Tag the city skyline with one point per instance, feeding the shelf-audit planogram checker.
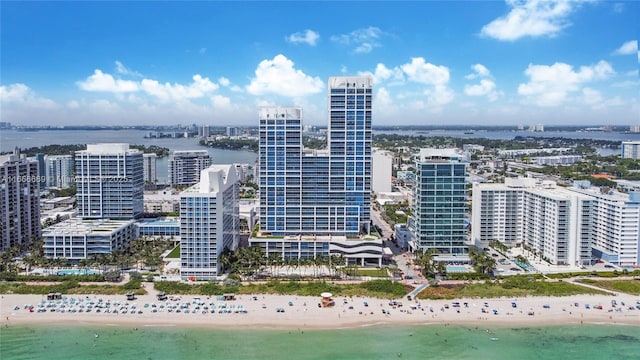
(433, 63)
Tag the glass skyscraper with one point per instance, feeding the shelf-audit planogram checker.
(440, 202)
(318, 192)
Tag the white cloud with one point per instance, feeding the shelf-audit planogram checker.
(550, 85)
(123, 70)
(628, 48)
(308, 37)
(224, 81)
(73, 104)
(220, 101)
(438, 96)
(425, 73)
(383, 73)
(178, 92)
(479, 70)
(364, 40)
(22, 95)
(531, 18)
(486, 87)
(278, 76)
(100, 81)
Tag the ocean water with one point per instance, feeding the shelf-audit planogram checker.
(378, 342)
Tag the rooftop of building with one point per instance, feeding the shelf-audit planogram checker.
(108, 148)
(78, 226)
(213, 179)
(161, 221)
(442, 155)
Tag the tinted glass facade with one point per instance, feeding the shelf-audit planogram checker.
(325, 192)
(440, 204)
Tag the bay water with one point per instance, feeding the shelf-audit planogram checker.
(374, 342)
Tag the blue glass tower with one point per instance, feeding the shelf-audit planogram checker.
(318, 192)
(440, 202)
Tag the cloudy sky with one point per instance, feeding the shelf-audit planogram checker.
(469, 63)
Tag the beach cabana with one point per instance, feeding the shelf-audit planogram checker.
(162, 296)
(131, 296)
(228, 297)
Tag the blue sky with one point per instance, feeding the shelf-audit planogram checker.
(434, 63)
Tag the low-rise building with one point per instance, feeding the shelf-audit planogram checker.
(77, 239)
(168, 228)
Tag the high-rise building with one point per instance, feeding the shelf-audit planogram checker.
(42, 175)
(631, 150)
(317, 199)
(185, 166)
(566, 226)
(59, 171)
(149, 172)
(19, 200)
(109, 181)
(209, 222)
(440, 203)
(322, 192)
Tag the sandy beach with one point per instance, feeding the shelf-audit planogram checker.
(260, 311)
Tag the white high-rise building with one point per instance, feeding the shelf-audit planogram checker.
(59, 171)
(382, 171)
(567, 226)
(109, 181)
(209, 222)
(185, 166)
(19, 200)
(631, 150)
(149, 168)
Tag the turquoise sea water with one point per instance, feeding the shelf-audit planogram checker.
(380, 342)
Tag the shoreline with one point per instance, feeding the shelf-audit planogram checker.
(302, 312)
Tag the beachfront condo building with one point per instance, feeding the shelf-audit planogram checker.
(19, 200)
(312, 201)
(631, 150)
(565, 226)
(185, 166)
(59, 171)
(109, 181)
(440, 204)
(209, 222)
(76, 239)
(149, 173)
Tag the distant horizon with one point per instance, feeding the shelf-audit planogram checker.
(432, 62)
(515, 127)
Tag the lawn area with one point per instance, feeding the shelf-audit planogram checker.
(625, 286)
(370, 272)
(175, 253)
(514, 286)
(376, 288)
(70, 287)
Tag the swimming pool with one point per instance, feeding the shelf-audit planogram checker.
(457, 268)
(77, 272)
